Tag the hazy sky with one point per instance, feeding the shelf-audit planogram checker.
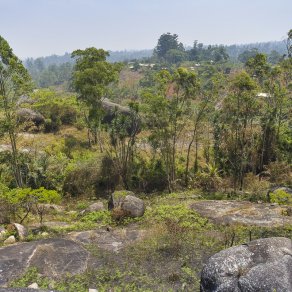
(43, 27)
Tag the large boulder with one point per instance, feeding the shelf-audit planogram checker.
(128, 203)
(28, 115)
(263, 265)
(111, 110)
(19, 229)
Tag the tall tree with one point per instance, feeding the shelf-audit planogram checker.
(167, 114)
(14, 82)
(92, 76)
(235, 129)
(289, 43)
(167, 42)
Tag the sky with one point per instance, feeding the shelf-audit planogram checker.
(37, 28)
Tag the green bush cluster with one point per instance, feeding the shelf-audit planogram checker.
(21, 201)
(280, 197)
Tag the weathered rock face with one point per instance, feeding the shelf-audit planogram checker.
(20, 230)
(111, 109)
(247, 213)
(285, 189)
(10, 240)
(127, 202)
(28, 115)
(55, 258)
(95, 207)
(52, 257)
(113, 240)
(263, 265)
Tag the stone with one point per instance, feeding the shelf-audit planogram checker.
(92, 290)
(52, 257)
(33, 286)
(21, 231)
(10, 240)
(260, 265)
(2, 234)
(95, 207)
(240, 212)
(128, 203)
(114, 240)
(28, 115)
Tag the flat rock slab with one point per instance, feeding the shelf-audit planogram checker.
(59, 256)
(52, 257)
(111, 240)
(246, 213)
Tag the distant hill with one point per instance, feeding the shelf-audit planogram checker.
(121, 56)
(115, 56)
(267, 47)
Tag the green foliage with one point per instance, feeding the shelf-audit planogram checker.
(92, 76)
(100, 217)
(20, 201)
(15, 81)
(180, 213)
(58, 109)
(31, 276)
(281, 197)
(168, 46)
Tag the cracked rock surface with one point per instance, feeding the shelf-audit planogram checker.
(246, 213)
(56, 257)
(263, 265)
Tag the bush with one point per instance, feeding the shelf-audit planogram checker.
(56, 108)
(20, 202)
(149, 176)
(280, 197)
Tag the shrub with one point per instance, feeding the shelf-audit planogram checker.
(149, 176)
(20, 202)
(56, 108)
(280, 197)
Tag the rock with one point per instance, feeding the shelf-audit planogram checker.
(28, 115)
(261, 265)
(114, 240)
(10, 240)
(111, 109)
(285, 189)
(92, 290)
(2, 233)
(52, 257)
(247, 213)
(95, 207)
(128, 203)
(21, 231)
(33, 286)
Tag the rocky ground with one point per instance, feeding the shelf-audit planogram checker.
(247, 213)
(164, 249)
